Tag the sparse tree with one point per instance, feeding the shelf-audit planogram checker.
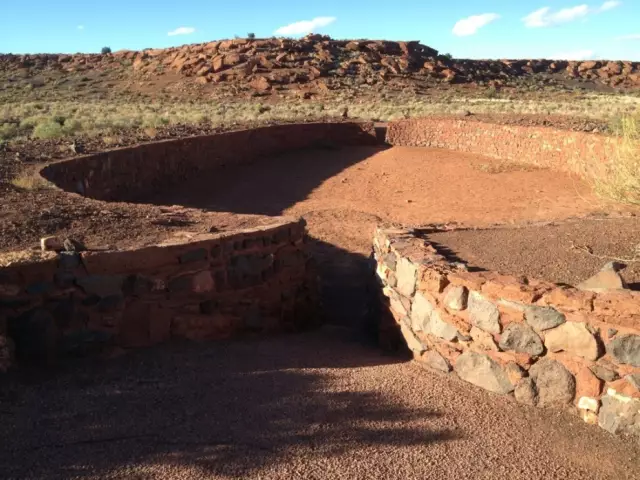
(105, 50)
(251, 36)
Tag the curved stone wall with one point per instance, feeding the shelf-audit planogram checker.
(546, 147)
(201, 287)
(543, 344)
(131, 173)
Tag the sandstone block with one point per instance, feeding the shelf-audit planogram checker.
(436, 361)
(406, 273)
(606, 279)
(574, 338)
(483, 340)
(456, 297)
(483, 314)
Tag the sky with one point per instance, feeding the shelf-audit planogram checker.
(601, 29)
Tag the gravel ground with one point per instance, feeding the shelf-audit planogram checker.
(313, 406)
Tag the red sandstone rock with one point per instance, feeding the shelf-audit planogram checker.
(587, 384)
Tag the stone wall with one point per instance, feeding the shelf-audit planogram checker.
(543, 344)
(132, 173)
(546, 147)
(210, 286)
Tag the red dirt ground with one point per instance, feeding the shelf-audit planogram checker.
(343, 194)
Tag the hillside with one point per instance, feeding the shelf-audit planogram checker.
(315, 65)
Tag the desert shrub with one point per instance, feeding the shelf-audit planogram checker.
(619, 178)
(48, 129)
(30, 181)
(251, 36)
(71, 125)
(105, 50)
(8, 130)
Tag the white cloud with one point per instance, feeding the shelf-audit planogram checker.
(633, 36)
(610, 5)
(471, 25)
(80, 27)
(181, 31)
(575, 55)
(545, 17)
(305, 26)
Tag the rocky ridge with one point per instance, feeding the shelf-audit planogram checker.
(317, 62)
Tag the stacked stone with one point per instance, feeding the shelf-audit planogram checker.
(207, 287)
(545, 345)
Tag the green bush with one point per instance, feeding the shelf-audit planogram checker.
(105, 50)
(251, 36)
(8, 130)
(48, 129)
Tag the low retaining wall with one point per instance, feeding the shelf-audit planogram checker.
(546, 147)
(209, 287)
(545, 345)
(132, 173)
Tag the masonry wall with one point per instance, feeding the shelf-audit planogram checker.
(208, 287)
(542, 344)
(546, 147)
(132, 173)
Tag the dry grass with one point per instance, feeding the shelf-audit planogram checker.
(30, 181)
(506, 166)
(619, 178)
(50, 119)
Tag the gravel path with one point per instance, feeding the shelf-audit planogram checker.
(312, 406)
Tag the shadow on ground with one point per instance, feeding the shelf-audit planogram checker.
(264, 188)
(226, 409)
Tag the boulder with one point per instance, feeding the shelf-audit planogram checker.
(543, 318)
(482, 371)
(522, 339)
(436, 361)
(555, 385)
(483, 340)
(406, 273)
(456, 297)
(625, 349)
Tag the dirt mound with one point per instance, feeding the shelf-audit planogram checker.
(316, 63)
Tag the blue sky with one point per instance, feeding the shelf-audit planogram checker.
(465, 28)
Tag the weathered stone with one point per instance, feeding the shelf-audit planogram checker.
(522, 339)
(406, 273)
(556, 386)
(625, 349)
(483, 314)
(440, 328)
(48, 244)
(436, 361)
(620, 415)
(543, 318)
(202, 282)
(421, 311)
(101, 285)
(604, 373)
(526, 392)
(397, 306)
(589, 403)
(390, 260)
(515, 372)
(587, 384)
(456, 297)
(606, 279)
(612, 332)
(483, 339)
(574, 338)
(414, 344)
(482, 371)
